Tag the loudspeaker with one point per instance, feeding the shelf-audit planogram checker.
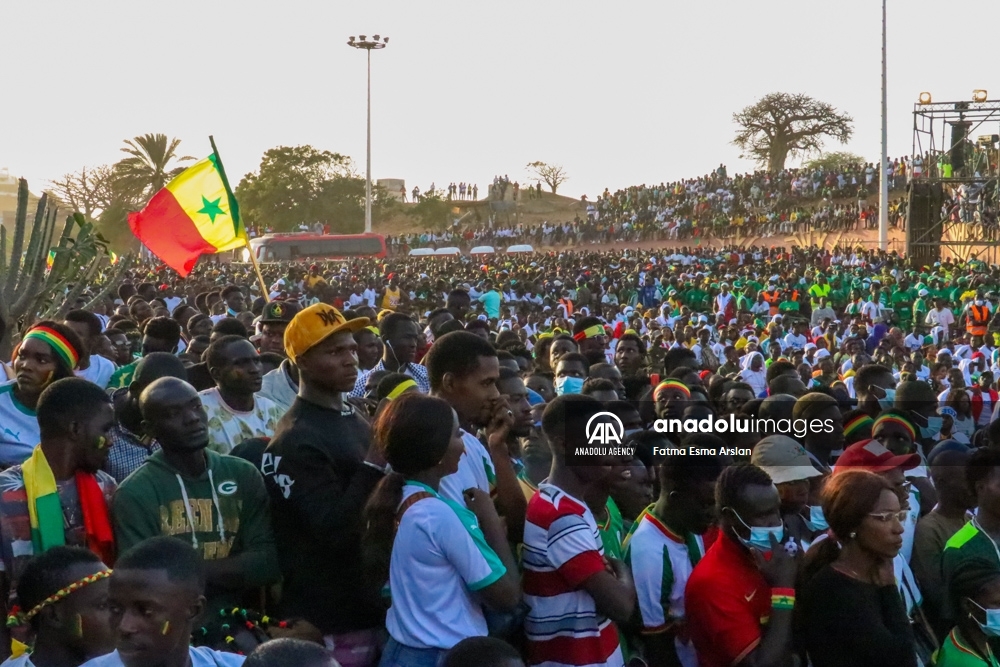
(959, 136)
(923, 228)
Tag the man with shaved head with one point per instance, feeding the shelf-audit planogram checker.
(216, 502)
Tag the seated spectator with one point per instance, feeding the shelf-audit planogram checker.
(235, 410)
(157, 593)
(231, 530)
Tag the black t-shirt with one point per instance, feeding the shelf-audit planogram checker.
(318, 484)
(847, 623)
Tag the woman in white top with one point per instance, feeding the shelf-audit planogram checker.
(442, 560)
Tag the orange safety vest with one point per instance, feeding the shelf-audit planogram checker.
(773, 300)
(979, 317)
(568, 305)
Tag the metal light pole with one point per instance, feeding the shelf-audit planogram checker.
(883, 182)
(376, 42)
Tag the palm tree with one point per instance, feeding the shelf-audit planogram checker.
(149, 165)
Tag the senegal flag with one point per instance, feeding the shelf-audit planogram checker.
(195, 214)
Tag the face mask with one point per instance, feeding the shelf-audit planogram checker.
(760, 536)
(886, 402)
(992, 626)
(817, 520)
(979, 302)
(933, 427)
(568, 385)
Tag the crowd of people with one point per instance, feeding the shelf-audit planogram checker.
(374, 464)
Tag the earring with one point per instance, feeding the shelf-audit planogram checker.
(853, 535)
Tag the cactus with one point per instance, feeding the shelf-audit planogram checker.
(29, 290)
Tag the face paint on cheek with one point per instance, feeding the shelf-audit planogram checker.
(166, 628)
(48, 378)
(78, 626)
(102, 442)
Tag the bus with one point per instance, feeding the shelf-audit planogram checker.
(305, 245)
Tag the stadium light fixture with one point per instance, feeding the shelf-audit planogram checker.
(925, 98)
(979, 95)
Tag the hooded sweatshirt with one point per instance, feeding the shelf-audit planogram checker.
(227, 504)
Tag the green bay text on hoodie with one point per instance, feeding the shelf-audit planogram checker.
(151, 502)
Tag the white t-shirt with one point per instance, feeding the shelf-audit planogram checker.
(99, 372)
(436, 565)
(475, 471)
(200, 657)
(661, 566)
(18, 428)
(228, 427)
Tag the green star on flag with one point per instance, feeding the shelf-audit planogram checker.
(211, 208)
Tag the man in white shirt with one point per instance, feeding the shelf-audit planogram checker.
(92, 367)
(796, 339)
(940, 316)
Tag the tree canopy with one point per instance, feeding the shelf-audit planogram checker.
(302, 184)
(780, 125)
(552, 174)
(835, 161)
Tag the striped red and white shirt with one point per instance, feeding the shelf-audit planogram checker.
(562, 549)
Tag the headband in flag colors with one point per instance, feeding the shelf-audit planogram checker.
(590, 332)
(671, 384)
(545, 334)
(374, 330)
(893, 419)
(858, 423)
(400, 388)
(55, 340)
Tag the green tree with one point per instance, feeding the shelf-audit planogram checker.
(152, 163)
(780, 125)
(835, 161)
(302, 184)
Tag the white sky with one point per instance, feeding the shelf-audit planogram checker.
(619, 93)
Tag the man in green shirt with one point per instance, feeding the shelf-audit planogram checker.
(788, 303)
(902, 303)
(978, 539)
(161, 334)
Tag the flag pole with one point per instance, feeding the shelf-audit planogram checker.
(234, 208)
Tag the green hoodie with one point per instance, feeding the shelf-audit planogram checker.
(150, 502)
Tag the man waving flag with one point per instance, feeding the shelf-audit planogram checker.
(195, 214)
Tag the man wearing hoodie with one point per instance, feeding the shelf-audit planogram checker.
(216, 502)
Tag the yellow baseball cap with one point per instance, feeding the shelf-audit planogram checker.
(314, 325)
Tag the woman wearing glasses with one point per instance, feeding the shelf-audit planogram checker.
(851, 611)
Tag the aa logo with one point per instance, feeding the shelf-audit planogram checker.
(605, 431)
(227, 488)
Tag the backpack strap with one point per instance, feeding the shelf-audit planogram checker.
(410, 502)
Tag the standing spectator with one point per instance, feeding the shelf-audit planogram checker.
(48, 352)
(232, 530)
(235, 411)
(736, 585)
(92, 366)
(576, 595)
(156, 597)
(399, 336)
(319, 470)
(440, 549)
(851, 609)
(160, 334)
(64, 594)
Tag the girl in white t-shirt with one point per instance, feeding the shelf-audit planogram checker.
(441, 560)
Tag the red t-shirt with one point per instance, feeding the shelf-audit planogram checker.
(727, 602)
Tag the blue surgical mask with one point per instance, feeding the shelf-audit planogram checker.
(568, 385)
(934, 425)
(992, 626)
(760, 536)
(817, 520)
(886, 403)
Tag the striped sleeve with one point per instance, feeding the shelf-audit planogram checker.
(653, 574)
(572, 550)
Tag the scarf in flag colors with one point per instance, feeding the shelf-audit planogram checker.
(195, 214)
(46, 514)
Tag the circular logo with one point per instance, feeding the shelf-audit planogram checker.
(604, 432)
